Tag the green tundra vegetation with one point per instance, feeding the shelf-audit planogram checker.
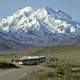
(55, 71)
(71, 53)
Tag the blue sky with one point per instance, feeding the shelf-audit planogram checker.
(71, 7)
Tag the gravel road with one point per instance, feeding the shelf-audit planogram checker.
(16, 74)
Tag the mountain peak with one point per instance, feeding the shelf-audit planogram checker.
(43, 26)
(27, 19)
(26, 9)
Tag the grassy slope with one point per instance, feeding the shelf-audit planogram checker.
(62, 52)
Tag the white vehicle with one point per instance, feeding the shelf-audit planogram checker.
(31, 60)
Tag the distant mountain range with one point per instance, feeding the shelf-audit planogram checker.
(38, 27)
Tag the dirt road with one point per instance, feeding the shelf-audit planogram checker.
(16, 74)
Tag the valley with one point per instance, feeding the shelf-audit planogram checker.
(65, 54)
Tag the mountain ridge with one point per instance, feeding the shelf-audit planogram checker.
(39, 27)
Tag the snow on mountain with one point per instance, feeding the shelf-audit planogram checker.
(28, 19)
(30, 25)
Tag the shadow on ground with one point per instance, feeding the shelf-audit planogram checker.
(7, 65)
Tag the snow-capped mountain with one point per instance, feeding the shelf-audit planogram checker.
(43, 26)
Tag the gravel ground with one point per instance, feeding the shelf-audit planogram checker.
(16, 74)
